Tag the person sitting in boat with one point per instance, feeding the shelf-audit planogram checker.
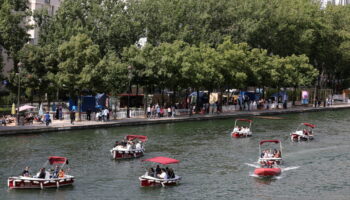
(150, 172)
(116, 143)
(267, 154)
(277, 154)
(123, 143)
(25, 172)
(42, 173)
(270, 154)
(235, 129)
(129, 145)
(163, 174)
(61, 173)
(262, 155)
(305, 132)
(170, 172)
(158, 170)
(274, 152)
(138, 145)
(55, 172)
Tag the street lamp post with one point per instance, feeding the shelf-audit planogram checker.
(129, 91)
(19, 65)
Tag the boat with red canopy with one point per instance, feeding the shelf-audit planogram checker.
(131, 147)
(304, 132)
(53, 178)
(269, 160)
(240, 130)
(166, 177)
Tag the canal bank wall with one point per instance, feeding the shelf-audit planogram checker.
(66, 126)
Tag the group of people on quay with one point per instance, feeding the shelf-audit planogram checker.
(156, 111)
(7, 119)
(161, 173)
(101, 115)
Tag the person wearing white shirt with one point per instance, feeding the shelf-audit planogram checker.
(138, 145)
(129, 146)
(163, 175)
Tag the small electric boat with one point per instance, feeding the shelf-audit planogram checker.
(269, 160)
(133, 147)
(267, 172)
(151, 178)
(51, 179)
(242, 131)
(304, 132)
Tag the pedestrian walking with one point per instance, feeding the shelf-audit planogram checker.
(57, 113)
(72, 116)
(60, 113)
(169, 111)
(88, 114)
(158, 112)
(47, 118)
(105, 113)
(148, 111)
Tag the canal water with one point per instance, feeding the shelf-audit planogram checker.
(213, 165)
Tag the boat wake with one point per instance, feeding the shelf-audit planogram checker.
(289, 168)
(252, 165)
(265, 178)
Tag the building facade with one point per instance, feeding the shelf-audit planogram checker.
(51, 6)
(335, 2)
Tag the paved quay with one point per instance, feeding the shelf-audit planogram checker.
(65, 125)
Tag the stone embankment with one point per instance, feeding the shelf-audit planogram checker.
(65, 125)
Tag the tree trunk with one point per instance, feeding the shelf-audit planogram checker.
(162, 97)
(79, 107)
(174, 97)
(48, 103)
(208, 109)
(294, 95)
(197, 102)
(145, 102)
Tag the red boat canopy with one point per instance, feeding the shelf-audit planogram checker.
(264, 141)
(309, 125)
(245, 120)
(140, 137)
(57, 160)
(162, 160)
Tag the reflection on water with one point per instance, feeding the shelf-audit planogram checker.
(213, 165)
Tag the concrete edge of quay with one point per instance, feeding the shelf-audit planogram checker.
(140, 122)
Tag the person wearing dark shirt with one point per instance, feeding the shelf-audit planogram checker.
(158, 170)
(72, 116)
(151, 172)
(42, 173)
(55, 172)
(26, 172)
(88, 114)
(123, 143)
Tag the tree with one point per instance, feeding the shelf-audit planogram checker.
(300, 72)
(233, 63)
(13, 35)
(78, 59)
(38, 70)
